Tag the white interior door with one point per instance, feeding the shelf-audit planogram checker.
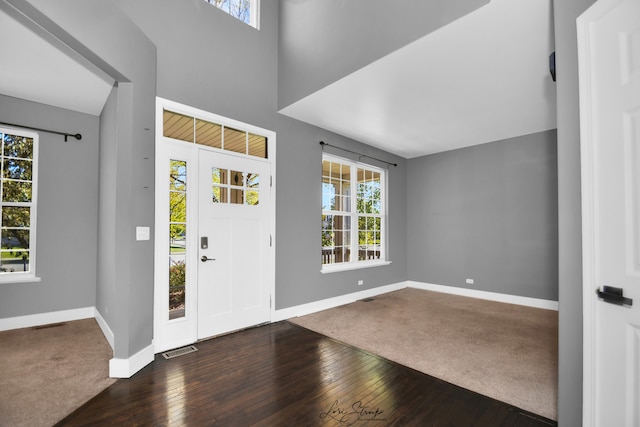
(234, 242)
(609, 50)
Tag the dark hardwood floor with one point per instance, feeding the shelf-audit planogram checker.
(284, 375)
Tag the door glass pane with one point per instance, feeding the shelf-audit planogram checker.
(219, 179)
(237, 178)
(253, 180)
(253, 197)
(219, 176)
(235, 140)
(237, 196)
(177, 126)
(177, 287)
(209, 134)
(178, 175)
(177, 237)
(253, 184)
(220, 195)
(177, 206)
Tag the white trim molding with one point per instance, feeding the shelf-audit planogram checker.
(313, 307)
(106, 330)
(492, 296)
(40, 319)
(126, 368)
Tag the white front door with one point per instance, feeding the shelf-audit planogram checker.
(214, 261)
(609, 51)
(234, 241)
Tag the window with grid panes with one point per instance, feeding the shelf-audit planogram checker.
(353, 214)
(18, 188)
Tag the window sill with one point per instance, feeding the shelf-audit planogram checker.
(334, 268)
(26, 278)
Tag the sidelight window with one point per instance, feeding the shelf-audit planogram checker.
(177, 237)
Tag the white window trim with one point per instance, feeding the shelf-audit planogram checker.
(255, 14)
(20, 276)
(352, 265)
(356, 264)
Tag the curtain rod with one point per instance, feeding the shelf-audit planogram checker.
(65, 134)
(359, 154)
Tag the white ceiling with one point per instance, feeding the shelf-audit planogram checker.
(482, 78)
(36, 68)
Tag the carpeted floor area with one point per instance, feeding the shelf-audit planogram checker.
(504, 351)
(48, 372)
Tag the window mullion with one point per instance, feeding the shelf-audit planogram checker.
(354, 213)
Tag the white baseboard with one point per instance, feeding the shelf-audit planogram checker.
(104, 327)
(492, 296)
(125, 368)
(313, 307)
(40, 319)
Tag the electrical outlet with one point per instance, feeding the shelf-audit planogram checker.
(360, 282)
(469, 281)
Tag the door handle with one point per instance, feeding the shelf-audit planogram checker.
(205, 259)
(613, 295)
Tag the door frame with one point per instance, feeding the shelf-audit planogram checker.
(161, 221)
(588, 123)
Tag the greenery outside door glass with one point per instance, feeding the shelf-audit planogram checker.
(177, 238)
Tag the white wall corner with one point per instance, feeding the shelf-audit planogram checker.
(104, 327)
(313, 307)
(491, 296)
(40, 319)
(126, 368)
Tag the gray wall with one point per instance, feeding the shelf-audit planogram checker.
(569, 213)
(489, 213)
(67, 211)
(323, 41)
(238, 79)
(245, 88)
(105, 36)
(106, 293)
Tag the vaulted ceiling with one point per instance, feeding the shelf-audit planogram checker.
(482, 78)
(37, 67)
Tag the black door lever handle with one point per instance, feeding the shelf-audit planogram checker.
(613, 295)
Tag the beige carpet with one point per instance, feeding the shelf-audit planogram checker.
(508, 352)
(47, 373)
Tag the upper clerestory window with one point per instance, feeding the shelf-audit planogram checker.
(243, 10)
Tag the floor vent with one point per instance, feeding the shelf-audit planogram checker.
(50, 325)
(367, 299)
(179, 352)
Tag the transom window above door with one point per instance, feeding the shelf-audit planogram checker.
(199, 131)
